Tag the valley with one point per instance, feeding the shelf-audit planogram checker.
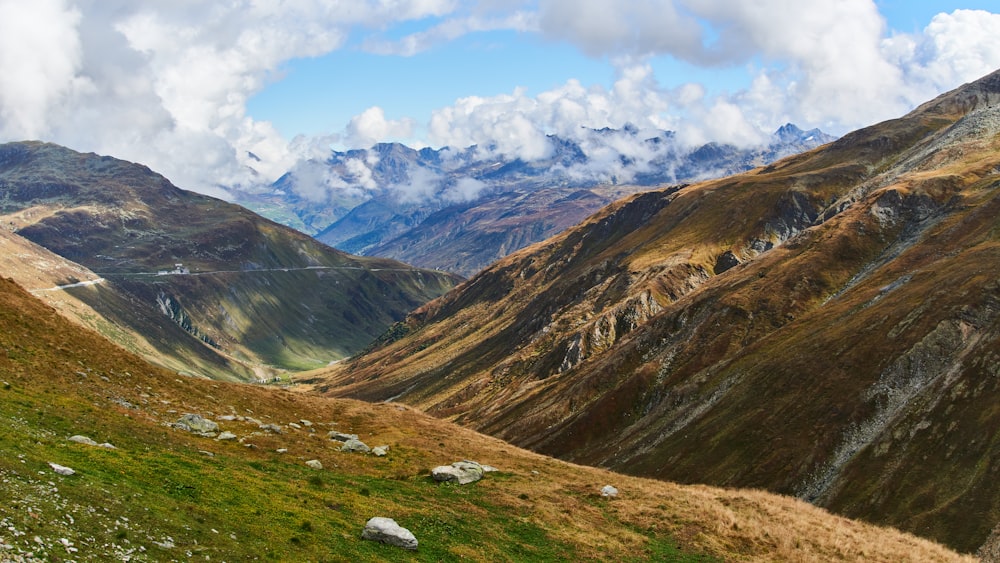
(824, 326)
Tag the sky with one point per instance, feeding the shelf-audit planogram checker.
(225, 95)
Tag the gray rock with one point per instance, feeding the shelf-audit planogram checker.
(61, 469)
(82, 440)
(225, 436)
(272, 428)
(380, 451)
(461, 472)
(355, 445)
(387, 531)
(295, 425)
(305, 422)
(608, 491)
(315, 464)
(197, 424)
(340, 436)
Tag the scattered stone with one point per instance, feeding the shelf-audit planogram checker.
(227, 417)
(206, 452)
(355, 445)
(461, 472)
(295, 426)
(608, 491)
(340, 436)
(197, 424)
(380, 451)
(226, 436)
(305, 423)
(61, 469)
(387, 531)
(272, 428)
(282, 450)
(489, 469)
(82, 440)
(315, 464)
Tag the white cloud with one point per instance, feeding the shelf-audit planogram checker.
(465, 189)
(371, 126)
(422, 185)
(166, 83)
(39, 63)
(452, 29)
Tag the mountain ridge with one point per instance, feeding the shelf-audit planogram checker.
(442, 208)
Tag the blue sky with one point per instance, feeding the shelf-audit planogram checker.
(193, 88)
(317, 95)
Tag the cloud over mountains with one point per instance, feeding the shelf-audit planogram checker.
(167, 84)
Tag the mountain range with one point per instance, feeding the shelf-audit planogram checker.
(191, 282)
(825, 326)
(461, 210)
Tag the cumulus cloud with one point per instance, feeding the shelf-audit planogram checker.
(465, 189)
(422, 185)
(371, 126)
(166, 83)
(39, 63)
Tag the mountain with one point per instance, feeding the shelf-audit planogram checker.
(197, 284)
(826, 326)
(154, 492)
(461, 210)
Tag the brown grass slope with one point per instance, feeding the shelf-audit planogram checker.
(164, 494)
(261, 298)
(825, 326)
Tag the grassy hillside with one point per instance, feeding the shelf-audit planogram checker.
(165, 494)
(253, 293)
(825, 326)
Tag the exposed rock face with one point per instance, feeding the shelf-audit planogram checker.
(387, 531)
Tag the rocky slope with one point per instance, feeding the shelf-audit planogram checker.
(460, 211)
(208, 287)
(271, 485)
(825, 326)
